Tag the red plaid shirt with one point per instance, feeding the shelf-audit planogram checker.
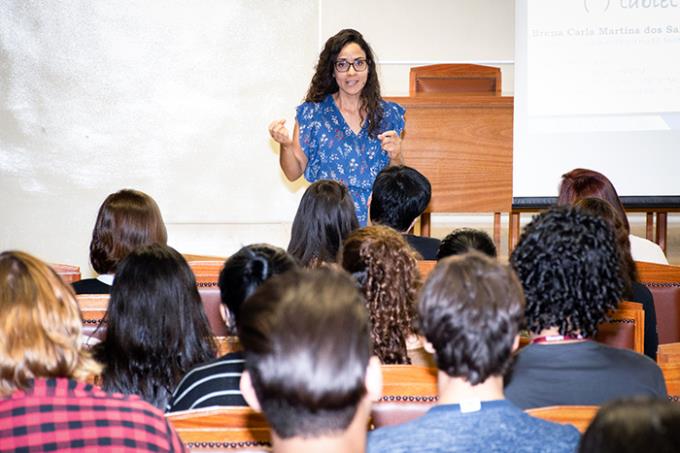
(62, 414)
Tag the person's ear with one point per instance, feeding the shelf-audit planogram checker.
(427, 346)
(515, 344)
(248, 392)
(374, 379)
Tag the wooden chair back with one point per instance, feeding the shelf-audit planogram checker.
(92, 311)
(454, 78)
(223, 428)
(626, 328)
(664, 283)
(67, 272)
(579, 416)
(408, 392)
(668, 359)
(207, 273)
(425, 267)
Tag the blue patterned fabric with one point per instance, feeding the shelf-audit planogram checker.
(335, 152)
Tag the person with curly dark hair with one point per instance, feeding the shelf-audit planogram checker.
(633, 290)
(385, 268)
(344, 130)
(583, 183)
(569, 266)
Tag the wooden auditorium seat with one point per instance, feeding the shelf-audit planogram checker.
(92, 311)
(579, 416)
(67, 272)
(222, 428)
(207, 273)
(626, 328)
(425, 267)
(408, 392)
(668, 359)
(664, 283)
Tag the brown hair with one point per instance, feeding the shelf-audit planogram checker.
(40, 325)
(127, 219)
(386, 270)
(471, 308)
(582, 183)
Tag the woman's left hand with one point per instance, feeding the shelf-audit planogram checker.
(390, 141)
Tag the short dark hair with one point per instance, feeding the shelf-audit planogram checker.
(306, 339)
(471, 308)
(633, 425)
(386, 271)
(126, 220)
(156, 329)
(569, 266)
(247, 269)
(323, 220)
(464, 240)
(583, 183)
(400, 195)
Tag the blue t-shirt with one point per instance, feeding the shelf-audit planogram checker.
(335, 152)
(497, 427)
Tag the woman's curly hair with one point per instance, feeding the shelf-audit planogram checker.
(323, 82)
(386, 271)
(570, 269)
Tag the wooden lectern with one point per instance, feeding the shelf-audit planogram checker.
(460, 139)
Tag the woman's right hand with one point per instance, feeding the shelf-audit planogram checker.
(278, 131)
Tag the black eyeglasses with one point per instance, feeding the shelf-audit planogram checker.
(359, 65)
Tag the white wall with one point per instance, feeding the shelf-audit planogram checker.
(174, 97)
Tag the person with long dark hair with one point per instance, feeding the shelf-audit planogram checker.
(127, 219)
(325, 217)
(216, 383)
(156, 329)
(45, 403)
(344, 130)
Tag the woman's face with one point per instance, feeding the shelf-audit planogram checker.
(352, 81)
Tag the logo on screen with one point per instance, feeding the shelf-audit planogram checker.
(596, 6)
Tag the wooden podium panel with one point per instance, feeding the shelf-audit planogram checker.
(463, 144)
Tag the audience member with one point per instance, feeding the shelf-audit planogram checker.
(306, 339)
(386, 271)
(400, 195)
(323, 220)
(216, 383)
(634, 425)
(569, 266)
(581, 183)
(470, 312)
(633, 290)
(156, 329)
(45, 404)
(127, 219)
(464, 240)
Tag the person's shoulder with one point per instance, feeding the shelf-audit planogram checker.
(309, 109)
(397, 438)
(550, 433)
(392, 108)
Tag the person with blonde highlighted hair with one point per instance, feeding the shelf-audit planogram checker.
(44, 402)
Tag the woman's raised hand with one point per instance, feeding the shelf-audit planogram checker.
(390, 141)
(278, 131)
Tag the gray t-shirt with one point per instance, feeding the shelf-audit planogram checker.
(587, 373)
(497, 427)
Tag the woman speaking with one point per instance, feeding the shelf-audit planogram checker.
(344, 130)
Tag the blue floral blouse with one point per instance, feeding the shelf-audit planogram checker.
(335, 152)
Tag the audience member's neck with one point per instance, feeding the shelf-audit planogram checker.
(453, 390)
(554, 334)
(353, 439)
